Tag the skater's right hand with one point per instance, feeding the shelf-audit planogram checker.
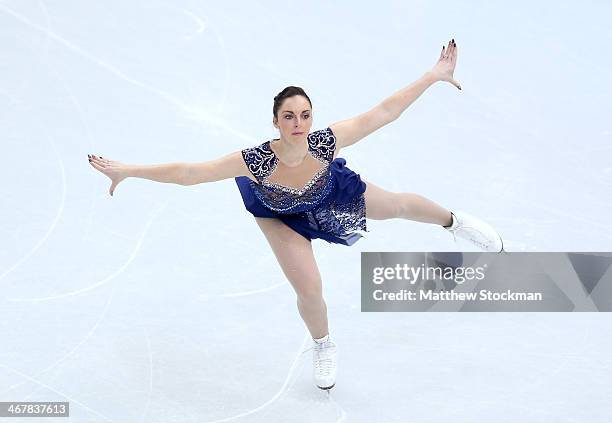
(115, 170)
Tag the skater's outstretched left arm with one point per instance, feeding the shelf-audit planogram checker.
(350, 131)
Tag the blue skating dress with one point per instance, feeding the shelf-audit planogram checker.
(330, 206)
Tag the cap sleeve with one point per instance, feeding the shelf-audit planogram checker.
(323, 144)
(259, 160)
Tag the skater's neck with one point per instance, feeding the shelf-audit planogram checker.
(290, 153)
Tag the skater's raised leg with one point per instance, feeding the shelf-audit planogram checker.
(382, 205)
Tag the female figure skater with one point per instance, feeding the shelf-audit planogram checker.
(298, 189)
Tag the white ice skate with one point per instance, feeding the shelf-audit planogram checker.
(324, 363)
(476, 231)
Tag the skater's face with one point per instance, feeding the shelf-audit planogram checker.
(294, 118)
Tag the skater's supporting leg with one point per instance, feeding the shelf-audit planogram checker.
(296, 258)
(382, 205)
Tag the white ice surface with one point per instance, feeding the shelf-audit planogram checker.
(164, 303)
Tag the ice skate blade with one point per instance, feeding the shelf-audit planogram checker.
(326, 389)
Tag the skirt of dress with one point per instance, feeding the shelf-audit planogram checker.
(339, 218)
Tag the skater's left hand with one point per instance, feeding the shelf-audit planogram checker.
(443, 70)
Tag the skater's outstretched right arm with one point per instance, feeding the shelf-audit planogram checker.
(225, 167)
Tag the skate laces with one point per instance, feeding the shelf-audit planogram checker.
(460, 226)
(323, 358)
